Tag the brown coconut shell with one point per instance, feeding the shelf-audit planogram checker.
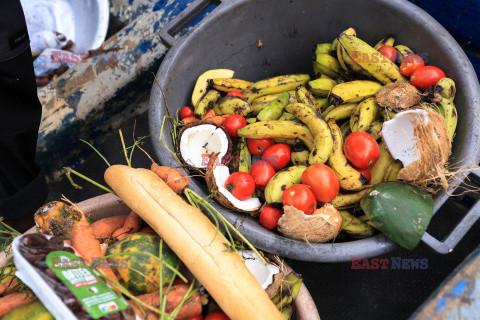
(217, 195)
(297, 225)
(398, 96)
(434, 146)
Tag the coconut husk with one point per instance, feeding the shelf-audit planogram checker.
(297, 225)
(398, 96)
(274, 287)
(433, 146)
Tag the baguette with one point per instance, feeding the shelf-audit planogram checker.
(189, 233)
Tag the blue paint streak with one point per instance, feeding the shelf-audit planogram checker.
(461, 288)
(74, 98)
(441, 305)
(144, 46)
(128, 30)
(61, 83)
(155, 26)
(158, 5)
(130, 2)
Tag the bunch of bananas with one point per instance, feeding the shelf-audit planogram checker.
(316, 115)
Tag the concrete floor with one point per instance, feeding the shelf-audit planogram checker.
(340, 292)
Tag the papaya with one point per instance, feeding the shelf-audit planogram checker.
(401, 211)
(57, 218)
(32, 311)
(140, 273)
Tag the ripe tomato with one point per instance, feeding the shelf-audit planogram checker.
(261, 172)
(367, 173)
(236, 94)
(323, 182)
(233, 123)
(241, 185)
(389, 52)
(269, 217)
(426, 76)
(410, 64)
(199, 317)
(186, 112)
(301, 197)
(361, 150)
(278, 155)
(258, 146)
(217, 315)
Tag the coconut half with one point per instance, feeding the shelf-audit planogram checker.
(268, 275)
(419, 138)
(197, 142)
(321, 226)
(216, 176)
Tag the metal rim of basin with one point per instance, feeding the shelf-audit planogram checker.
(275, 243)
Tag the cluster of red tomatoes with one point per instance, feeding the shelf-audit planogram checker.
(413, 66)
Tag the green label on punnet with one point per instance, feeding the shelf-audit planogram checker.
(94, 294)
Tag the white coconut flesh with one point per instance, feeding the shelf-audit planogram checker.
(198, 142)
(221, 174)
(399, 137)
(262, 272)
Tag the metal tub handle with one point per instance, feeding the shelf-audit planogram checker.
(174, 26)
(450, 242)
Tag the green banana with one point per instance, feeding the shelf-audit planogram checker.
(355, 228)
(277, 129)
(260, 103)
(371, 60)
(341, 112)
(403, 52)
(350, 178)
(274, 85)
(353, 91)
(290, 142)
(300, 153)
(364, 115)
(449, 112)
(322, 136)
(323, 48)
(274, 109)
(349, 199)
(229, 84)
(374, 129)
(206, 103)
(245, 158)
(251, 120)
(446, 88)
(287, 313)
(392, 171)
(345, 129)
(326, 64)
(387, 41)
(234, 105)
(321, 87)
(281, 181)
(334, 45)
(321, 103)
(380, 167)
(289, 290)
(304, 96)
(287, 116)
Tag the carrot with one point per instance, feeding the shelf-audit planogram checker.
(210, 114)
(10, 286)
(132, 224)
(15, 300)
(219, 120)
(173, 177)
(84, 241)
(104, 228)
(190, 120)
(191, 308)
(148, 230)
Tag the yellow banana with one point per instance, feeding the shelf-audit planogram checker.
(355, 228)
(446, 88)
(350, 178)
(348, 64)
(374, 129)
(392, 171)
(379, 169)
(326, 64)
(343, 200)
(260, 103)
(364, 115)
(304, 96)
(387, 41)
(206, 103)
(321, 103)
(281, 181)
(353, 91)
(323, 48)
(229, 84)
(380, 67)
(274, 85)
(322, 136)
(341, 112)
(449, 112)
(403, 52)
(245, 158)
(345, 129)
(334, 45)
(327, 111)
(277, 129)
(321, 87)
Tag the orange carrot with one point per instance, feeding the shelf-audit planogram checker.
(104, 228)
(190, 120)
(210, 114)
(191, 308)
(132, 225)
(219, 120)
(10, 286)
(15, 300)
(84, 241)
(148, 230)
(173, 177)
